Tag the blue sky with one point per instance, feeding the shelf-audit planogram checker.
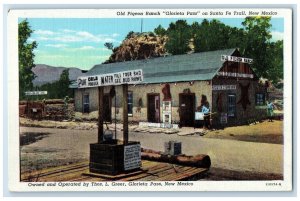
(79, 42)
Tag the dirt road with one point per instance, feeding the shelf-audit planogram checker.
(44, 147)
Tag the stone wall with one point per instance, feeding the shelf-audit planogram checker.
(251, 113)
(140, 92)
(243, 116)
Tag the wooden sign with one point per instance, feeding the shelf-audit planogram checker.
(35, 93)
(236, 59)
(132, 156)
(240, 75)
(223, 87)
(118, 78)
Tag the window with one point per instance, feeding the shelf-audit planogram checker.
(86, 103)
(231, 105)
(260, 99)
(130, 103)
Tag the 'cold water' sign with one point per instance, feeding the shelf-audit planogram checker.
(125, 77)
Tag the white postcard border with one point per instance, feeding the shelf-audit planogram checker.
(13, 117)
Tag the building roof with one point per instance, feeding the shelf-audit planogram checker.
(177, 68)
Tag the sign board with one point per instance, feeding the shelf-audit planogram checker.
(167, 114)
(199, 116)
(236, 59)
(35, 93)
(223, 87)
(132, 156)
(223, 118)
(241, 75)
(118, 78)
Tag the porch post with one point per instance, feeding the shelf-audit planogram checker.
(100, 115)
(125, 113)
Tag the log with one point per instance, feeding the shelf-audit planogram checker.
(48, 101)
(200, 160)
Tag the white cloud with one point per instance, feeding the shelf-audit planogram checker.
(98, 57)
(44, 32)
(52, 56)
(109, 40)
(87, 48)
(30, 40)
(85, 34)
(68, 31)
(69, 36)
(84, 48)
(276, 35)
(56, 45)
(42, 38)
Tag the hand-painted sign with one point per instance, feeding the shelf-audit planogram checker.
(199, 116)
(236, 59)
(240, 75)
(118, 78)
(35, 93)
(223, 87)
(132, 156)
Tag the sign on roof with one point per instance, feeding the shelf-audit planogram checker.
(125, 77)
(236, 59)
(35, 93)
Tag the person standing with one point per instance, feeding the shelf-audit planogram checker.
(205, 111)
(270, 110)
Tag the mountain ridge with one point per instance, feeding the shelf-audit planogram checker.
(49, 74)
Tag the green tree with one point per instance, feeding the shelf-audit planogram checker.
(63, 85)
(215, 35)
(109, 46)
(26, 58)
(275, 58)
(236, 37)
(160, 31)
(179, 35)
(131, 34)
(60, 88)
(256, 43)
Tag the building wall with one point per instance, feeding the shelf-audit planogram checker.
(140, 92)
(78, 97)
(248, 115)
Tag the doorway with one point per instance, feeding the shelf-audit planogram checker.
(153, 108)
(86, 103)
(107, 108)
(187, 109)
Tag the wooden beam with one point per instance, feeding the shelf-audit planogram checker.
(100, 115)
(125, 113)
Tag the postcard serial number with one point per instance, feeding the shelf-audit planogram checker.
(273, 184)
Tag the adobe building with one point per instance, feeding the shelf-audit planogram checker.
(175, 87)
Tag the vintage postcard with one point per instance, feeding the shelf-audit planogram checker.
(150, 99)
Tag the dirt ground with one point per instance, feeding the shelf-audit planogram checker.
(235, 153)
(264, 132)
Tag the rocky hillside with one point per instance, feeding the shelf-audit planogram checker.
(139, 46)
(49, 74)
